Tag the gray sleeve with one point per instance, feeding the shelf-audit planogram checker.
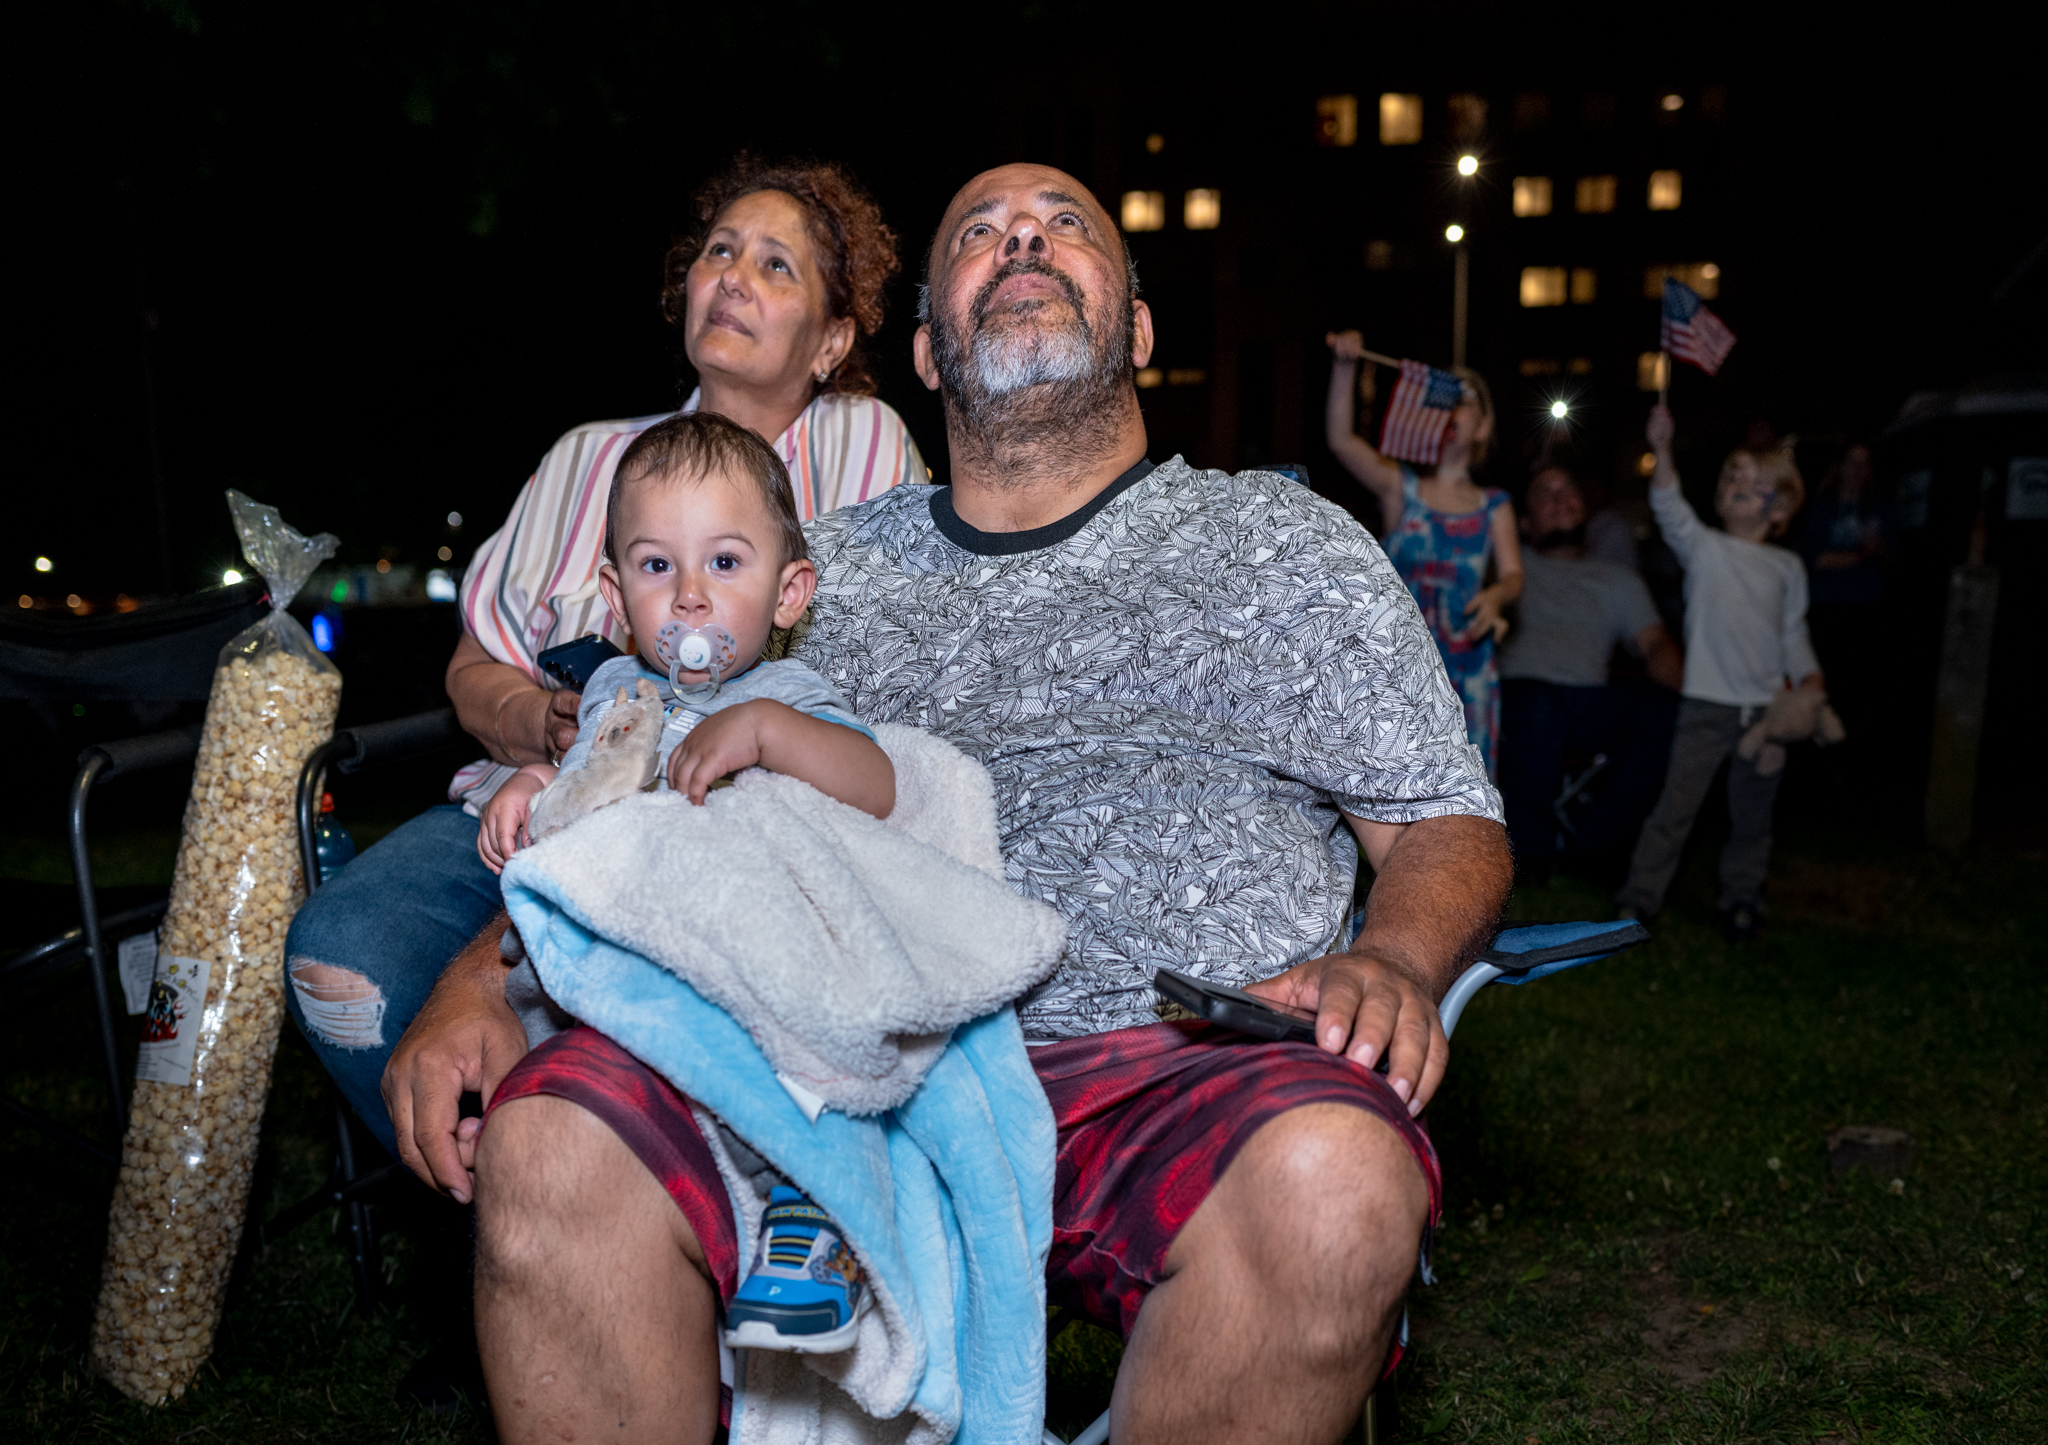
(793, 683)
(1629, 605)
(1379, 728)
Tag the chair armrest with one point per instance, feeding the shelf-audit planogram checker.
(401, 738)
(1473, 979)
(151, 750)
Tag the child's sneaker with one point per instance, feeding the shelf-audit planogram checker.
(805, 1292)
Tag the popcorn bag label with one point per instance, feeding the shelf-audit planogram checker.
(170, 1032)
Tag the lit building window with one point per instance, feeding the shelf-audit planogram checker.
(1144, 210)
(1543, 285)
(1703, 276)
(1584, 285)
(1189, 376)
(1580, 365)
(1540, 366)
(1595, 195)
(1672, 102)
(1650, 371)
(1379, 255)
(1468, 117)
(1337, 120)
(1154, 143)
(1532, 195)
(1150, 377)
(1666, 189)
(1202, 210)
(1400, 119)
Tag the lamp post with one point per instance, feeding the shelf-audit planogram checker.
(1468, 167)
(1456, 235)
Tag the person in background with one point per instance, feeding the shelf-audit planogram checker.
(1845, 544)
(774, 292)
(1745, 637)
(1610, 534)
(1557, 698)
(1442, 531)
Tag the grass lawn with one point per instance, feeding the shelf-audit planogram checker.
(1642, 1241)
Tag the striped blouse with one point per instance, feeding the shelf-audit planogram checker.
(533, 583)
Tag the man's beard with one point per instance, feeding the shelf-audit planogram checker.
(1020, 385)
(1561, 537)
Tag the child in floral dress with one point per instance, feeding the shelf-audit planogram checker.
(1441, 532)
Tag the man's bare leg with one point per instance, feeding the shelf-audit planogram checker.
(595, 1313)
(1282, 1291)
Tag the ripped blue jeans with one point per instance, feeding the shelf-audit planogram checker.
(364, 952)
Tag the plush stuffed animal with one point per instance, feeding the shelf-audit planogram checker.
(1798, 714)
(621, 763)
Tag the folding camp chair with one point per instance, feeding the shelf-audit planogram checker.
(160, 653)
(1517, 956)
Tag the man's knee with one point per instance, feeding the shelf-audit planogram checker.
(1331, 1202)
(552, 1181)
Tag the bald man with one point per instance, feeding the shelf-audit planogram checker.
(1193, 692)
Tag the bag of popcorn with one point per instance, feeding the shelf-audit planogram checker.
(218, 995)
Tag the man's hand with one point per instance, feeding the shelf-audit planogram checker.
(722, 744)
(465, 1039)
(1366, 1006)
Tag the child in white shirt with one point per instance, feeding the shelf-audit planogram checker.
(1745, 638)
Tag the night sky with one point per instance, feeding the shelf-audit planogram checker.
(380, 255)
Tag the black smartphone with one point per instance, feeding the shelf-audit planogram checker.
(1235, 1009)
(572, 663)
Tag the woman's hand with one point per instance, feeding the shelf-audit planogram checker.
(1484, 610)
(505, 816)
(516, 719)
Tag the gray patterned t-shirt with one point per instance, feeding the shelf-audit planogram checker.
(1175, 700)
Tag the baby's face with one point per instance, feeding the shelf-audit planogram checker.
(702, 550)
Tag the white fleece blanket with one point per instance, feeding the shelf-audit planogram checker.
(858, 956)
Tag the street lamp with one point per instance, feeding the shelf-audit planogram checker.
(1455, 234)
(1558, 410)
(1468, 165)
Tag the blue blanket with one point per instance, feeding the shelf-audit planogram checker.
(946, 1199)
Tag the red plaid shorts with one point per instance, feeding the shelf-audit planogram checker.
(1149, 1118)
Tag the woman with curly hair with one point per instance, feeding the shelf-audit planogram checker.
(775, 291)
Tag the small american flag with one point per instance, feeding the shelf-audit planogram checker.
(1691, 332)
(1419, 414)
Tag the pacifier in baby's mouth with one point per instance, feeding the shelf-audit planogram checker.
(695, 649)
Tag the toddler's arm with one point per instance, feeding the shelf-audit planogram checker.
(506, 814)
(835, 760)
(1676, 519)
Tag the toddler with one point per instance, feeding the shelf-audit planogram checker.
(704, 558)
(1745, 638)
